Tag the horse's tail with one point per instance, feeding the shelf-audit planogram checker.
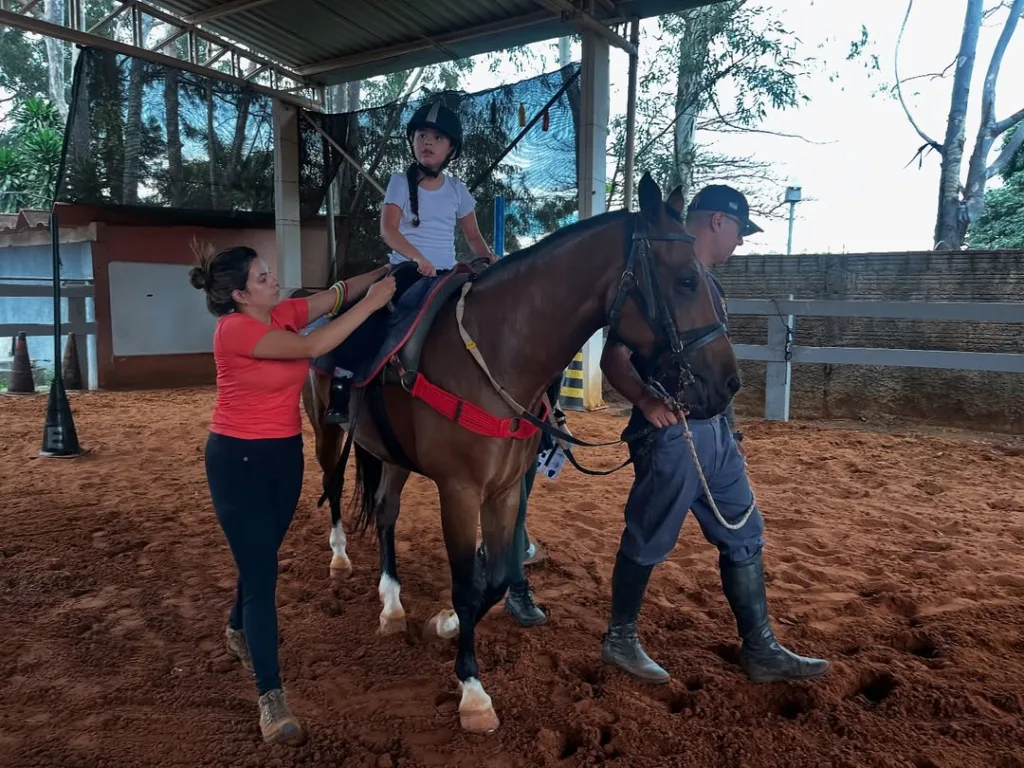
(369, 471)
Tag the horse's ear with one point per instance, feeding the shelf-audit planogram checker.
(675, 200)
(650, 197)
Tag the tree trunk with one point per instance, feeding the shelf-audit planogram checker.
(951, 223)
(347, 182)
(234, 160)
(133, 132)
(111, 96)
(211, 145)
(175, 170)
(693, 53)
(572, 94)
(54, 13)
(979, 171)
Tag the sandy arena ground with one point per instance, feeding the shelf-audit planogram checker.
(900, 556)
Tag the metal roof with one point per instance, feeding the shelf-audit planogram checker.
(337, 41)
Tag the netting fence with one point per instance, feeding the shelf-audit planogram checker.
(149, 136)
(520, 143)
(141, 134)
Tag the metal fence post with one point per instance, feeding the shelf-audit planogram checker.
(499, 225)
(778, 375)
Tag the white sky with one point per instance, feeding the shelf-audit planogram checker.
(864, 198)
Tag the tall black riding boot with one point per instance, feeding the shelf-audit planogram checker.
(519, 604)
(762, 657)
(621, 646)
(337, 408)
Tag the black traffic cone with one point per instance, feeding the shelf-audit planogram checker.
(21, 370)
(60, 440)
(71, 367)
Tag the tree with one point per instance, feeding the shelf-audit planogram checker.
(30, 156)
(1001, 225)
(731, 53)
(961, 203)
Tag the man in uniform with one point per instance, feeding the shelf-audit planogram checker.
(667, 485)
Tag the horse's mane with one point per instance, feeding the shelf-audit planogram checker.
(575, 229)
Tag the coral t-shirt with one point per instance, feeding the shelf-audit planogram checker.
(257, 398)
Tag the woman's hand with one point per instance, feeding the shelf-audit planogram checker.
(380, 293)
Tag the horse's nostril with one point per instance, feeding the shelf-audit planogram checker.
(733, 384)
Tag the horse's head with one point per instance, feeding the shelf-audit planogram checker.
(663, 308)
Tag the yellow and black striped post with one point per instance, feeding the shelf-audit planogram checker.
(571, 398)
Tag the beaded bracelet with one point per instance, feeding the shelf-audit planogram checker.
(341, 288)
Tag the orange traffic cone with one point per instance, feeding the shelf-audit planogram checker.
(21, 371)
(72, 368)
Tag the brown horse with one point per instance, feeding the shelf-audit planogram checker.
(527, 316)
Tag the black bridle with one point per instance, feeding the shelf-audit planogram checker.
(654, 308)
(650, 300)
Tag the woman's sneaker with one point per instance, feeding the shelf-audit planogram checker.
(238, 649)
(277, 723)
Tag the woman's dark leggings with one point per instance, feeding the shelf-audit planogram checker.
(255, 486)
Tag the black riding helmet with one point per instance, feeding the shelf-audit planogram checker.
(441, 119)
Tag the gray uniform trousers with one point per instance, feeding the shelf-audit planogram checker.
(666, 486)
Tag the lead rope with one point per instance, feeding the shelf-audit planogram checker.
(471, 346)
(704, 483)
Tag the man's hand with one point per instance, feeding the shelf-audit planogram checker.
(657, 411)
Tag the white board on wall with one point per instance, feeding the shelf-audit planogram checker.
(154, 310)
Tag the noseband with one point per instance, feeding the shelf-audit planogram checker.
(650, 300)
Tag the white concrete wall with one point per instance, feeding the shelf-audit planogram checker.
(35, 261)
(154, 310)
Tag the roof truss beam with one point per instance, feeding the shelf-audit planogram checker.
(586, 22)
(245, 65)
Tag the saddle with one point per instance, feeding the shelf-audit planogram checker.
(399, 356)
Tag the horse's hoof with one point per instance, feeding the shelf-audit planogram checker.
(479, 721)
(392, 625)
(341, 567)
(444, 625)
(476, 711)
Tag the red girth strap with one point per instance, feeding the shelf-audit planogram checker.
(472, 417)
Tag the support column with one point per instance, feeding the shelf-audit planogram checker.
(286, 197)
(779, 375)
(592, 165)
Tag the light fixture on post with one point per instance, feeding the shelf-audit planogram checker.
(793, 196)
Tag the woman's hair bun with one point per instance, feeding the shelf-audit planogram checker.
(199, 278)
(199, 275)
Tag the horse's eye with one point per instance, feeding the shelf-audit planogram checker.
(686, 284)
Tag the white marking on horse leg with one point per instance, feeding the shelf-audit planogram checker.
(444, 625)
(341, 566)
(476, 712)
(392, 618)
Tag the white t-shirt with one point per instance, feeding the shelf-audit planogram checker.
(439, 210)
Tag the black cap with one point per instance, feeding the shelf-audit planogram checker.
(721, 198)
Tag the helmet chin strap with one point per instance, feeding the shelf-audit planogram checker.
(430, 172)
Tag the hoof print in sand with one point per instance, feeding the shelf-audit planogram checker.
(874, 687)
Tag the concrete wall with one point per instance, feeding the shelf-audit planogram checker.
(126, 241)
(116, 245)
(991, 401)
(28, 255)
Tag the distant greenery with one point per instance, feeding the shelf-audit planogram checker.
(1001, 226)
(30, 155)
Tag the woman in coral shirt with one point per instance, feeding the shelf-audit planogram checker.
(254, 458)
